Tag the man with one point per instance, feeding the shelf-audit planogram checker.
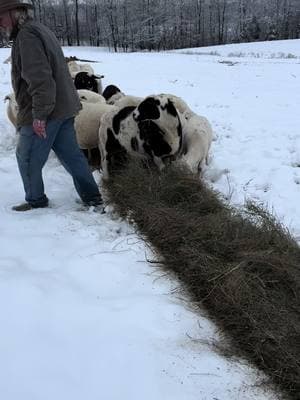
(47, 103)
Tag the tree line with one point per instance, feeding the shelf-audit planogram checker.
(130, 25)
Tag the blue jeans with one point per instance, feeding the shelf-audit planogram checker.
(32, 154)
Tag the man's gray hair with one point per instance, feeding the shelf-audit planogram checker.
(23, 14)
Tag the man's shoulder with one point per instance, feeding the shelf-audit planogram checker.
(34, 28)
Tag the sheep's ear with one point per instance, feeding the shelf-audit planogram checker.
(170, 107)
(98, 76)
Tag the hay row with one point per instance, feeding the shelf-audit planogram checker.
(242, 267)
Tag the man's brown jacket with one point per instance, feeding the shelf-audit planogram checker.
(40, 77)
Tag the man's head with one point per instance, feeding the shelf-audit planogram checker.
(10, 13)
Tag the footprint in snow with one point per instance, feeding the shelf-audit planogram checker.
(265, 187)
(297, 180)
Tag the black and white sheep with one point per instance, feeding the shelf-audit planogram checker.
(197, 134)
(151, 131)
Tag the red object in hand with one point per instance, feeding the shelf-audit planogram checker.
(39, 128)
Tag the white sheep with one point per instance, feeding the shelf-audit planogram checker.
(114, 96)
(112, 93)
(90, 97)
(7, 60)
(127, 101)
(87, 123)
(12, 108)
(85, 80)
(74, 68)
(197, 137)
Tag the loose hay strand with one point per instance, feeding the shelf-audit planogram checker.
(242, 267)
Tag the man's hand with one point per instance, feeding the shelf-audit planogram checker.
(39, 128)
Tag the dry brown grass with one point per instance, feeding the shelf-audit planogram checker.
(242, 267)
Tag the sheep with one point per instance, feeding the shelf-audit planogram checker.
(151, 131)
(74, 68)
(180, 104)
(84, 76)
(197, 137)
(114, 96)
(197, 132)
(156, 116)
(85, 80)
(90, 97)
(7, 60)
(87, 124)
(112, 93)
(12, 108)
(128, 101)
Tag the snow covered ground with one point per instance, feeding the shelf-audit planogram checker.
(82, 314)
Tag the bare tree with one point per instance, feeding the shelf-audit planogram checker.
(77, 23)
(167, 24)
(67, 24)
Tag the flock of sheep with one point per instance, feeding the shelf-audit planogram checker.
(113, 126)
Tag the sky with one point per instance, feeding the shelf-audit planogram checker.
(83, 315)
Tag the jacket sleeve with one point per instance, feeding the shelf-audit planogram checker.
(37, 72)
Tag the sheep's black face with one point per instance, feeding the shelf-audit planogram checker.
(147, 109)
(83, 80)
(116, 154)
(170, 108)
(119, 117)
(109, 91)
(154, 139)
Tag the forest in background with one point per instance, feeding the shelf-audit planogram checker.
(131, 25)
